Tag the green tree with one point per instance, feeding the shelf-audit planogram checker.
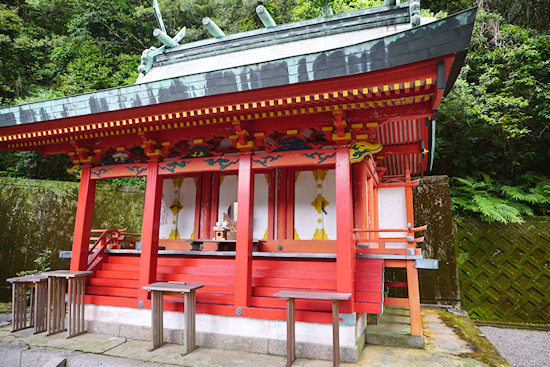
(496, 119)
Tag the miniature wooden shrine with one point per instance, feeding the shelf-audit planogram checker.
(308, 136)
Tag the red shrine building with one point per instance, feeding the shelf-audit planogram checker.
(304, 138)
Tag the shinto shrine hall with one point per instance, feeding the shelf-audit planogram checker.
(297, 145)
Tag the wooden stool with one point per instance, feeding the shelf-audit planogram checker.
(189, 309)
(290, 296)
(38, 285)
(72, 283)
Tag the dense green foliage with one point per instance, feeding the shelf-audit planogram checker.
(496, 120)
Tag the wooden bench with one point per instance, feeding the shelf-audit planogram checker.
(157, 290)
(334, 297)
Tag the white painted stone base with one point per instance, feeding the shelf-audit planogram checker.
(233, 333)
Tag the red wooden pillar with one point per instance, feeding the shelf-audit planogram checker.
(150, 229)
(345, 251)
(215, 202)
(245, 215)
(290, 191)
(206, 206)
(360, 198)
(83, 222)
(370, 190)
(271, 206)
(412, 272)
(282, 191)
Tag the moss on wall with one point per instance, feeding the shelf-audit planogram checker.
(432, 206)
(39, 214)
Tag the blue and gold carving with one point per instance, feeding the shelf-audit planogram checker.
(122, 157)
(198, 151)
(75, 170)
(137, 169)
(100, 172)
(223, 162)
(264, 160)
(361, 149)
(320, 157)
(171, 167)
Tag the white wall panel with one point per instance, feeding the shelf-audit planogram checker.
(392, 213)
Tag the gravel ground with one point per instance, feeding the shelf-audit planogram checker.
(522, 348)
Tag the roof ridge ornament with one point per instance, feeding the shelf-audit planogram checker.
(147, 56)
(415, 13)
(265, 17)
(325, 6)
(212, 27)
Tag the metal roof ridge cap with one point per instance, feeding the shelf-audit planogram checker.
(285, 27)
(295, 38)
(337, 48)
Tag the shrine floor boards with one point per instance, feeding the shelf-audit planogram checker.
(443, 347)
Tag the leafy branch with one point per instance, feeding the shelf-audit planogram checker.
(481, 196)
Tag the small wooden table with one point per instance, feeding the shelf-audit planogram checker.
(38, 284)
(72, 283)
(291, 320)
(223, 245)
(189, 297)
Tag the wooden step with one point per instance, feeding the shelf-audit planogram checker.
(111, 291)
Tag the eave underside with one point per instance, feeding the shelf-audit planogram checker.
(367, 104)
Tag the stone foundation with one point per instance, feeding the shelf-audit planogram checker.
(231, 333)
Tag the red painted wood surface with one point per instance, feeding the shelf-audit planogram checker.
(150, 232)
(299, 246)
(116, 284)
(419, 70)
(271, 205)
(282, 196)
(291, 180)
(195, 165)
(345, 252)
(83, 222)
(360, 196)
(314, 157)
(245, 215)
(119, 170)
(198, 197)
(214, 205)
(414, 299)
(206, 206)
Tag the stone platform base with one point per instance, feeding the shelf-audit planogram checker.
(393, 329)
(231, 333)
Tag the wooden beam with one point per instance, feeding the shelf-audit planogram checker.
(194, 165)
(245, 215)
(83, 222)
(150, 229)
(119, 170)
(294, 158)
